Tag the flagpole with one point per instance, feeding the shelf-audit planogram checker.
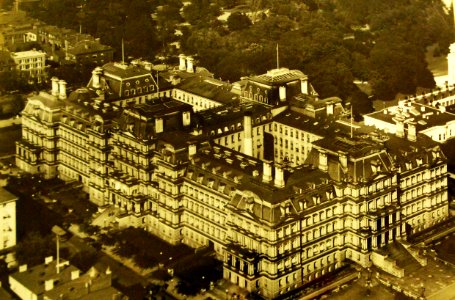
(351, 122)
(277, 57)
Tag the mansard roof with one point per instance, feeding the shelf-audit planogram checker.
(321, 127)
(139, 119)
(124, 71)
(409, 155)
(240, 178)
(365, 159)
(209, 88)
(278, 76)
(229, 118)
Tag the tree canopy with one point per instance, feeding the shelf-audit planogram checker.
(333, 41)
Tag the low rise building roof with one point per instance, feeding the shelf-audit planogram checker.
(209, 88)
(424, 116)
(34, 278)
(87, 47)
(6, 196)
(278, 76)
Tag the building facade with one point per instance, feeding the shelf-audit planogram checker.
(279, 185)
(30, 63)
(7, 219)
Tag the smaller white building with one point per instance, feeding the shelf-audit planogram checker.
(30, 62)
(408, 118)
(7, 219)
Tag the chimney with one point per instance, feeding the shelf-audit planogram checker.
(174, 79)
(22, 268)
(159, 125)
(282, 93)
(54, 86)
(399, 127)
(75, 274)
(343, 160)
(267, 171)
(329, 108)
(192, 149)
(304, 85)
(96, 77)
(148, 65)
(323, 166)
(186, 118)
(182, 60)
(62, 89)
(412, 132)
(279, 176)
(247, 134)
(189, 64)
(48, 260)
(49, 284)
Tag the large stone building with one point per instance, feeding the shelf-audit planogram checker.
(279, 184)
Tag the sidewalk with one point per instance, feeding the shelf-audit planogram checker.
(222, 290)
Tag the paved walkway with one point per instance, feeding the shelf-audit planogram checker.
(447, 293)
(10, 122)
(433, 278)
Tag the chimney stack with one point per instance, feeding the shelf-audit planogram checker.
(343, 160)
(182, 61)
(49, 284)
(279, 176)
(282, 93)
(159, 125)
(62, 89)
(399, 127)
(75, 274)
(148, 65)
(192, 149)
(267, 171)
(54, 86)
(247, 134)
(304, 85)
(412, 132)
(96, 78)
(323, 165)
(329, 108)
(186, 118)
(189, 64)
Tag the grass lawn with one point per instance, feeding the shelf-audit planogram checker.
(8, 137)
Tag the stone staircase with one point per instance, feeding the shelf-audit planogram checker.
(402, 257)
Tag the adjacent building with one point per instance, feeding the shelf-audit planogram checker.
(59, 280)
(411, 117)
(89, 52)
(7, 220)
(30, 63)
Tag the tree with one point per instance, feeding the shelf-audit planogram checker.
(238, 21)
(397, 67)
(200, 12)
(34, 248)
